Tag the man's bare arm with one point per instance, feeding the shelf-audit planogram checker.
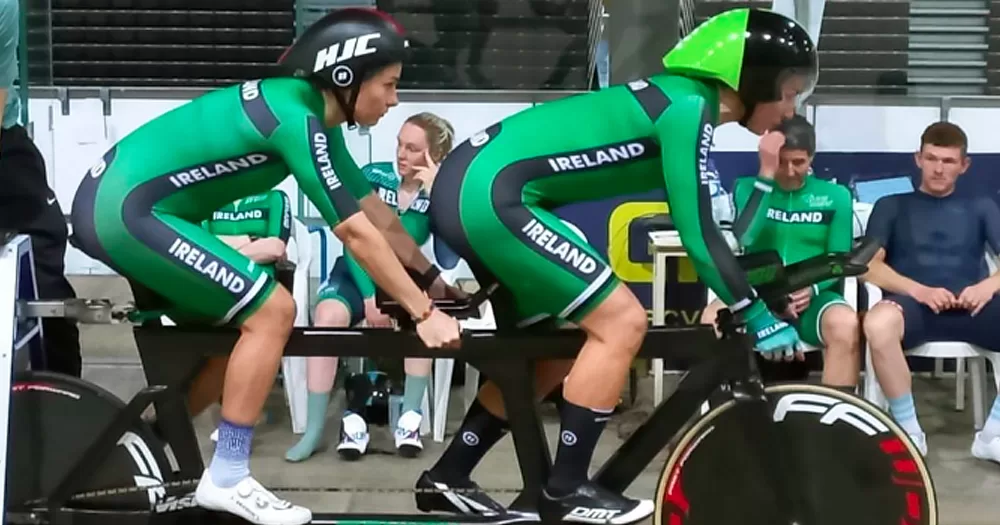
(882, 275)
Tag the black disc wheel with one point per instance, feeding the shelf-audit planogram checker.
(843, 461)
(54, 419)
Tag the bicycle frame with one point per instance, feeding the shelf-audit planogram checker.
(172, 357)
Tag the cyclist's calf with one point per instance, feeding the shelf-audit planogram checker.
(615, 329)
(255, 359)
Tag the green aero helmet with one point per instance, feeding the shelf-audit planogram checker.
(751, 51)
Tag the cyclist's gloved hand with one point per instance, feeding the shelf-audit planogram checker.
(774, 338)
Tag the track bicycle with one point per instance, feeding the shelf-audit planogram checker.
(762, 455)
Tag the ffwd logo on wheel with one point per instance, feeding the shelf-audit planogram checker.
(148, 469)
(832, 410)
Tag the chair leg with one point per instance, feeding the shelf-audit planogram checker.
(994, 359)
(443, 369)
(959, 384)
(471, 385)
(657, 381)
(873, 391)
(938, 368)
(976, 369)
(293, 369)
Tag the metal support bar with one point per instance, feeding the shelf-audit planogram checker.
(90, 311)
(62, 94)
(105, 95)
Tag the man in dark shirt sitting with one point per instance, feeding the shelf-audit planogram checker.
(933, 271)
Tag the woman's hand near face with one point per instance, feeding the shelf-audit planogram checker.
(427, 173)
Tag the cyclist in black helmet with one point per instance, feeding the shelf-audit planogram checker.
(493, 203)
(139, 208)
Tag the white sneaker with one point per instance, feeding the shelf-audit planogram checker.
(353, 437)
(250, 501)
(988, 450)
(919, 441)
(407, 434)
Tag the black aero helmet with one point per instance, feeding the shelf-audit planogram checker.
(799, 134)
(345, 48)
(752, 51)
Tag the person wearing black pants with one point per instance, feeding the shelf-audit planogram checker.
(29, 206)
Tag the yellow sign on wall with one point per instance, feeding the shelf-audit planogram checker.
(618, 244)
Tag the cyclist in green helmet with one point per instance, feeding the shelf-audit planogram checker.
(493, 203)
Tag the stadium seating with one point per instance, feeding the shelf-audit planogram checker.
(863, 45)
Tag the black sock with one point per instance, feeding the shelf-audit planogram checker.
(479, 432)
(580, 430)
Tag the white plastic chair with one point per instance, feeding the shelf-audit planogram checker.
(293, 369)
(965, 355)
(328, 249)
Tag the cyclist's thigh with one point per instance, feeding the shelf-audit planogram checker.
(811, 319)
(340, 287)
(548, 268)
(201, 276)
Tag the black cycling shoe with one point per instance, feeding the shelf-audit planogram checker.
(590, 503)
(468, 499)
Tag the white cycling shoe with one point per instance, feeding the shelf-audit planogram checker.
(983, 449)
(250, 501)
(407, 434)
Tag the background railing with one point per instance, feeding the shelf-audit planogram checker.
(884, 47)
(688, 16)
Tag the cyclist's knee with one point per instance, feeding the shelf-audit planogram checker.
(619, 321)
(277, 313)
(332, 313)
(883, 324)
(841, 328)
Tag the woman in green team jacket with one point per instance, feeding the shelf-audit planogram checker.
(347, 297)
